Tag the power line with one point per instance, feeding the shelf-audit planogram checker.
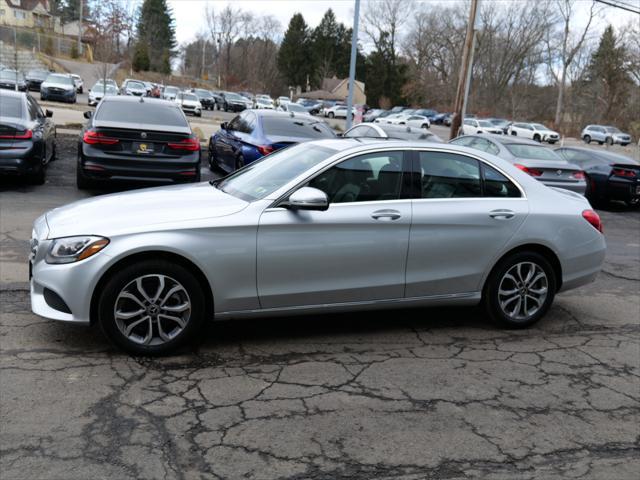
(622, 6)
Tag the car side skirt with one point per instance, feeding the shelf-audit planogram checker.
(455, 299)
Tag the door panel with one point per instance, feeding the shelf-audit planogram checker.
(457, 233)
(354, 251)
(341, 255)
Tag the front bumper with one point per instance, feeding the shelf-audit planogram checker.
(65, 95)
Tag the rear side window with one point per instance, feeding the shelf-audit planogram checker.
(497, 185)
(149, 113)
(448, 175)
(295, 127)
(536, 152)
(10, 106)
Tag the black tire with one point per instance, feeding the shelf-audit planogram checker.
(551, 142)
(331, 115)
(600, 143)
(490, 296)
(624, 144)
(82, 182)
(38, 177)
(213, 162)
(587, 139)
(54, 153)
(537, 138)
(122, 278)
(515, 134)
(609, 141)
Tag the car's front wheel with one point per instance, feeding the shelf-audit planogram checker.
(151, 307)
(520, 290)
(331, 115)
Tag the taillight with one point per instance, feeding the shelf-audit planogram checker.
(191, 144)
(26, 135)
(92, 137)
(578, 175)
(594, 219)
(265, 149)
(534, 172)
(621, 172)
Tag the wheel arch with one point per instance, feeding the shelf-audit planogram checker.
(154, 255)
(543, 250)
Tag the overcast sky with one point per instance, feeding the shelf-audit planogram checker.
(190, 18)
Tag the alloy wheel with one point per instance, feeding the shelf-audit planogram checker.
(523, 290)
(152, 309)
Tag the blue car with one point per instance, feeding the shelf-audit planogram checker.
(256, 133)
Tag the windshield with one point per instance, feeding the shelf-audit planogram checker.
(612, 129)
(203, 93)
(135, 85)
(292, 107)
(189, 97)
(265, 176)
(62, 79)
(171, 90)
(37, 74)
(539, 126)
(532, 151)
(485, 123)
(10, 75)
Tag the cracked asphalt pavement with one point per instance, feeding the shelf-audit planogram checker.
(412, 394)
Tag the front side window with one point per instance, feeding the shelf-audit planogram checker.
(371, 177)
(448, 175)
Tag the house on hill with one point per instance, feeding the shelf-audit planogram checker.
(338, 89)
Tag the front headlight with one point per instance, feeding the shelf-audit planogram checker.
(74, 249)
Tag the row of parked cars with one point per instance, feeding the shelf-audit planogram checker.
(158, 130)
(52, 86)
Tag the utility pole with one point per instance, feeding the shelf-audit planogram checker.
(352, 65)
(203, 47)
(464, 78)
(80, 27)
(15, 55)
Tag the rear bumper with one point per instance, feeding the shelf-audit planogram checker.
(623, 190)
(22, 163)
(131, 169)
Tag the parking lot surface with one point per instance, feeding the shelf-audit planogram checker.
(411, 394)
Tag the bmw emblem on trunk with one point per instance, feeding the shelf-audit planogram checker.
(143, 135)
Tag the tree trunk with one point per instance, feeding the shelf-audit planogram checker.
(559, 104)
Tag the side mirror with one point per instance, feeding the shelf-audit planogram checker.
(48, 113)
(224, 125)
(308, 198)
(88, 115)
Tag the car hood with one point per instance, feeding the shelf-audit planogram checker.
(141, 210)
(63, 86)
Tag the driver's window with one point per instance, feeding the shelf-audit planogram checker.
(371, 177)
(448, 175)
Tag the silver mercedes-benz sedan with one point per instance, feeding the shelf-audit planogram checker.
(330, 225)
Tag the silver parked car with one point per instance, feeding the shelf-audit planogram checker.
(605, 134)
(540, 162)
(323, 226)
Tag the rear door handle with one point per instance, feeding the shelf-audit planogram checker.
(502, 214)
(386, 214)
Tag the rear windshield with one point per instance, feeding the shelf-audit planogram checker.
(292, 127)
(484, 123)
(171, 89)
(203, 93)
(532, 151)
(150, 113)
(10, 106)
(38, 74)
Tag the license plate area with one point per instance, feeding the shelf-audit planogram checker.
(142, 148)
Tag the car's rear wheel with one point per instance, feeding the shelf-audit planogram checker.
(587, 139)
(520, 290)
(331, 115)
(425, 125)
(152, 307)
(609, 141)
(537, 138)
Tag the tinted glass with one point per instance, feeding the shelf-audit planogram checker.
(532, 151)
(447, 175)
(203, 93)
(362, 131)
(485, 146)
(295, 127)
(34, 109)
(464, 141)
(10, 106)
(576, 156)
(38, 74)
(377, 176)
(135, 85)
(497, 185)
(292, 107)
(149, 113)
(274, 171)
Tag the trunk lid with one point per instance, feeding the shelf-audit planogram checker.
(551, 170)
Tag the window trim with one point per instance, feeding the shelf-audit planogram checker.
(417, 172)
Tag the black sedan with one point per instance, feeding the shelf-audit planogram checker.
(610, 176)
(206, 99)
(27, 136)
(133, 139)
(35, 78)
(233, 102)
(9, 79)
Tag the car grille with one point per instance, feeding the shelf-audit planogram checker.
(57, 91)
(188, 107)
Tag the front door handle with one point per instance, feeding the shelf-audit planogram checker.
(387, 214)
(502, 214)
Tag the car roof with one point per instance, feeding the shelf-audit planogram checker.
(509, 140)
(263, 113)
(12, 93)
(129, 99)
(602, 154)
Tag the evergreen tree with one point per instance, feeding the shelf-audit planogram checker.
(141, 59)
(608, 76)
(156, 30)
(294, 55)
(385, 76)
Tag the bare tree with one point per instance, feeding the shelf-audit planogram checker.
(385, 17)
(568, 45)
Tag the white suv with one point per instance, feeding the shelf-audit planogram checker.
(602, 134)
(534, 131)
(473, 125)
